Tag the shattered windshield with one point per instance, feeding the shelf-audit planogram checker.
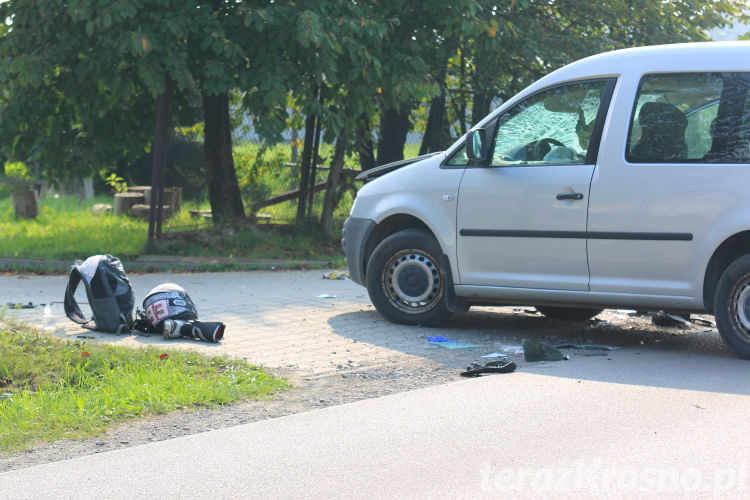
(552, 127)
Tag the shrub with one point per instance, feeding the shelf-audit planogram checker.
(261, 172)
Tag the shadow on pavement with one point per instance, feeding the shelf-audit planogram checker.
(647, 355)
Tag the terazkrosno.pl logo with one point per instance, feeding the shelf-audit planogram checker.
(598, 475)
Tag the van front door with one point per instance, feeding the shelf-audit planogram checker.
(521, 221)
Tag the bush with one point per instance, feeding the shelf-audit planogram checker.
(262, 173)
(17, 170)
(14, 170)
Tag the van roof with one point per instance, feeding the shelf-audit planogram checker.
(700, 56)
(670, 58)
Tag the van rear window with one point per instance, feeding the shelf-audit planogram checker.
(691, 118)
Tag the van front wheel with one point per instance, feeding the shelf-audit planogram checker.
(732, 306)
(406, 280)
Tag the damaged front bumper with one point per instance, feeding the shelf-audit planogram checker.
(354, 236)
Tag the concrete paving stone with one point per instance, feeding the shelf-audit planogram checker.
(277, 319)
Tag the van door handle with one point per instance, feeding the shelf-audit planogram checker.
(569, 196)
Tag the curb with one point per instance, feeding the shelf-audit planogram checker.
(160, 263)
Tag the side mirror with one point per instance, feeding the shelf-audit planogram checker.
(476, 145)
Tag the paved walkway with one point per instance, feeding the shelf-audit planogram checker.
(281, 319)
(298, 321)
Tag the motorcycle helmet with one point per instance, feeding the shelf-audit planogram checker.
(168, 301)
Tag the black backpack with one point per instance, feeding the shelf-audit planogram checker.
(109, 292)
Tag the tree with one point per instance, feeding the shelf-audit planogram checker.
(423, 37)
(90, 71)
(511, 44)
(328, 60)
(80, 77)
(70, 104)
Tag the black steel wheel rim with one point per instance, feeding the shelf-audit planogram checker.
(741, 308)
(412, 282)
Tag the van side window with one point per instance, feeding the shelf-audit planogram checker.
(552, 127)
(688, 118)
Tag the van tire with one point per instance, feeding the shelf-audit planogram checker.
(732, 306)
(406, 279)
(568, 313)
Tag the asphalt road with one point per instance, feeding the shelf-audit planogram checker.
(642, 423)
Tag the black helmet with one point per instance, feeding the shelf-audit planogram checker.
(168, 301)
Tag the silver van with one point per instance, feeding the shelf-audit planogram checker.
(621, 180)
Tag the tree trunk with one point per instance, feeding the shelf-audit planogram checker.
(158, 163)
(436, 134)
(330, 200)
(314, 168)
(304, 182)
(223, 189)
(364, 143)
(480, 106)
(462, 96)
(394, 125)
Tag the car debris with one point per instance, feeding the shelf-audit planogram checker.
(438, 338)
(703, 322)
(449, 343)
(18, 305)
(455, 345)
(537, 351)
(629, 312)
(501, 366)
(336, 275)
(662, 318)
(592, 347)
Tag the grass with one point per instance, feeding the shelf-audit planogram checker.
(52, 389)
(67, 229)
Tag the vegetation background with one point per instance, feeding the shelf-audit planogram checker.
(259, 93)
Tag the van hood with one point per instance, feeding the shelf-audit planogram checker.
(370, 174)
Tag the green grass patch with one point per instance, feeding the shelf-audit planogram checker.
(52, 389)
(67, 229)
